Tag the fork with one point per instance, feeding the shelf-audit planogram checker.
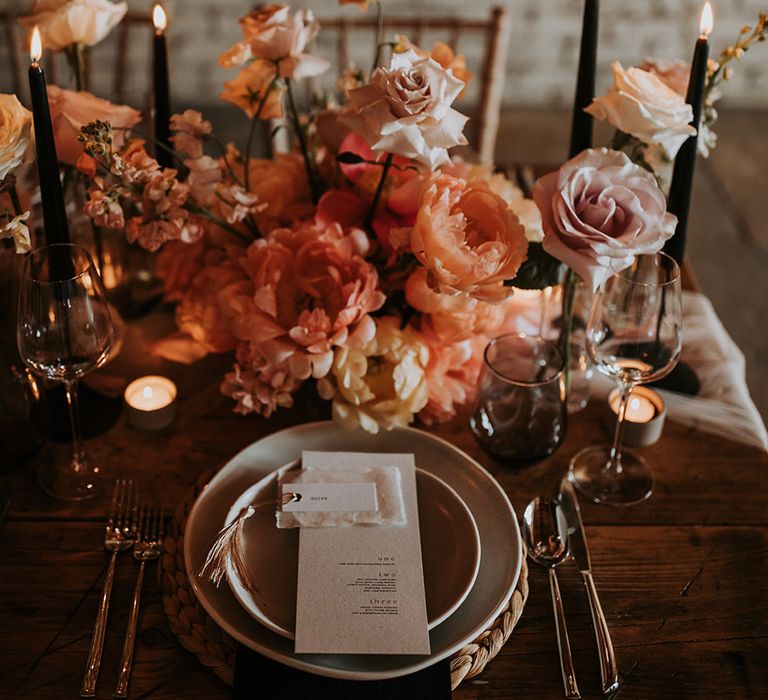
(119, 535)
(148, 547)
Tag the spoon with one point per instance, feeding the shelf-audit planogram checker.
(546, 536)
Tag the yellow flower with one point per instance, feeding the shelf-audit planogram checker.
(381, 384)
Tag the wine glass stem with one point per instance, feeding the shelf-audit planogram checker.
(74, 420)
(614, 459)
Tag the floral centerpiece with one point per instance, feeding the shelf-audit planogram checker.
(365, 259)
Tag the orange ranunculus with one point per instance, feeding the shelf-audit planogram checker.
(468, 238)
(255, 92)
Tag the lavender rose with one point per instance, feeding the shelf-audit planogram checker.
(599, 211)
(406, 110)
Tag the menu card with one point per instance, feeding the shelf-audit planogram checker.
(361, 588)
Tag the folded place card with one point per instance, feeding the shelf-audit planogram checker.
(333, 496)
(361, 589)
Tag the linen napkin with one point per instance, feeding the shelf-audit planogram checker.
(253, 672)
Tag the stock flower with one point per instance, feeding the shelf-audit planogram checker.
(641, 104)
(307, 291)
(380, 384)
(204, 177)
(189, 131)
(406, 110)
(65, 22)
(16, 229)
(70, 110)
(257, 384)
(599, 211)
(104, 207)
(278, 38)
(468, 238)
(452, 372)
(15, 134)
(235, 204)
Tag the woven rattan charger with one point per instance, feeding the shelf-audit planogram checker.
(214, 648)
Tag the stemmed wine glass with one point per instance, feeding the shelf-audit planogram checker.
(634, 335)
(64, 331)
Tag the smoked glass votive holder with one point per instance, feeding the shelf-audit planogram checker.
(521, 410)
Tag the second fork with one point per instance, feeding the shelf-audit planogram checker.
(148, 547)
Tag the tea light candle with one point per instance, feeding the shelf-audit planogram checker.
(644, 419)
(150, 403)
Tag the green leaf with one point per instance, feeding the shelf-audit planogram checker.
(349, 158)
(538, 271)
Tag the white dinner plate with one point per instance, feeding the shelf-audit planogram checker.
(450, 544)
(496, 521)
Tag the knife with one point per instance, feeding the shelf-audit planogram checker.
(577, 540)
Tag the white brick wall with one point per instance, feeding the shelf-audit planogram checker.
(543, 48)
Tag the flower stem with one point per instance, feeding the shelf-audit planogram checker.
(569, 295)
(379, 34)
(14, 195)
(216, 220)
(254, 123)
(77, 62)
(379, 190)
(302, 142)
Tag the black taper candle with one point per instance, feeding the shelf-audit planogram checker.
(51, 193)
(162, 93)
(679, 200)
(581, 124)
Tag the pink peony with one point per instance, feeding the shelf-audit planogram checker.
(308, 290)
(70, 110)
(452, 373)
(468, 238)
(599, 211)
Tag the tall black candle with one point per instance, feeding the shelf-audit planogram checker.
(682, 176)
(51, 194)
(581, 125)
(161, 89)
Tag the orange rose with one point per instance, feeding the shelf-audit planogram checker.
(468, 238)
(254, 91)
(70, 110)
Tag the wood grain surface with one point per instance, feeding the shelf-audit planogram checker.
(682, 576)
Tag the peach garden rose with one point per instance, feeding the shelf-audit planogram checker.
(468, 238)
(66, 22)
(15, 134)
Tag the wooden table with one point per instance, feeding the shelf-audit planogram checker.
(682, 576)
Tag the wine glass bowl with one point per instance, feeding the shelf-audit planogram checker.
(634, 335)
(64, 331)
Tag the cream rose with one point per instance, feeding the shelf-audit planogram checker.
(599, 211)
(406, 110)
(275, 33)
(641, 104)
(15, 134)
(65, 22)
(70, 110)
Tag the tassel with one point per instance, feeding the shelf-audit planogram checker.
(227, 547)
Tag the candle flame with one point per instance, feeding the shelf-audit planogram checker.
(147, 392)
(634, 404)
(707, 20)
(159, 19)
(36, 46)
